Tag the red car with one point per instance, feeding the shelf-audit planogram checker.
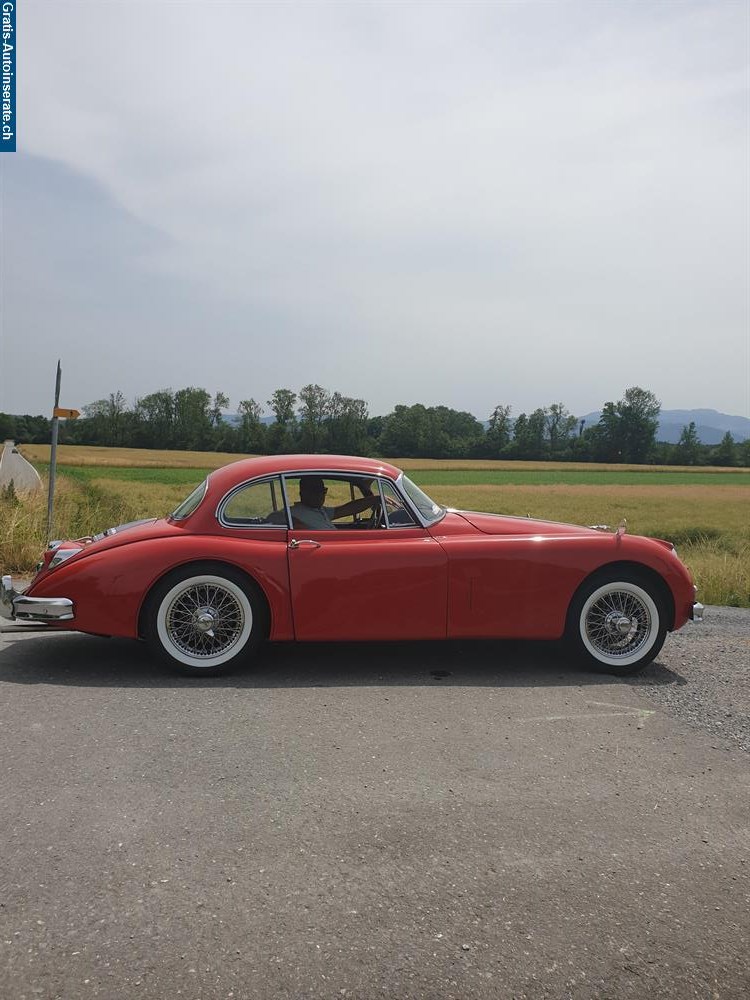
(322, 547)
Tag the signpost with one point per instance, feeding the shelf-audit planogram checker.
(57, 412)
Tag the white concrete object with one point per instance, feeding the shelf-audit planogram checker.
(13, 466)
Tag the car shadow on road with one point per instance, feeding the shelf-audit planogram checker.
(76, 660)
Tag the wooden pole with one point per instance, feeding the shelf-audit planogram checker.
(53, 457)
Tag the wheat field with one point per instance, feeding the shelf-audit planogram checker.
(707, 517)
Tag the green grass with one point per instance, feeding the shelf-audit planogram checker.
(162, 477)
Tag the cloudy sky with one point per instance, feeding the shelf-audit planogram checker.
(464, 204)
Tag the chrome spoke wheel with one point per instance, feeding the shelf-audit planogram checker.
(618, 625)
(204, 621)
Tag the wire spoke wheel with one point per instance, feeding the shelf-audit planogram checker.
(203, 622)
(618, 625)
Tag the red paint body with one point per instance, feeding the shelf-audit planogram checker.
(472, 575)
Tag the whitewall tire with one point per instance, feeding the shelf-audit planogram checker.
(204, 620)
(617, 625)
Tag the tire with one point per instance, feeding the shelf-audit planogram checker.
(617, 623)
(204, 620)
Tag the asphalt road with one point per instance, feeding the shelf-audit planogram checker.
(397, 821)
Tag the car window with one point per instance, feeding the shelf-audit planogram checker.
(427, 507)
(396, 511)
(191, 503)
(256, 504)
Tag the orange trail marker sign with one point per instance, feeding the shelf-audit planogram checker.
(59, 411)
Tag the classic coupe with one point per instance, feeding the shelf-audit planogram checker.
(322, 547)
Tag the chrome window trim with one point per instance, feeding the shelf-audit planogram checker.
(419, 521)
(219, 512)
(382, 504)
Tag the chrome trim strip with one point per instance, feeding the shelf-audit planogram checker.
(383, 505)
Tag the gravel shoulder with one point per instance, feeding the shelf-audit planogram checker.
(702, 676)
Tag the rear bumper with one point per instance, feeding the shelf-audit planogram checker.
(18, 607)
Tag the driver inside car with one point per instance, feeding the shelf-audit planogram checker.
(309, 512)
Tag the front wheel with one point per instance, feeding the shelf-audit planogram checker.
(202, 621)
(617, 625)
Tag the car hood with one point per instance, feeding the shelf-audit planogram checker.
(502, 524)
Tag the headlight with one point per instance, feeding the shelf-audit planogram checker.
(61, 555)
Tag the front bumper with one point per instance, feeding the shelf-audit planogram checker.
(18, 607)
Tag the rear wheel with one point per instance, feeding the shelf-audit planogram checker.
(617, 625)
(204, 620)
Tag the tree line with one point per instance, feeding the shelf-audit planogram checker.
(315, 420)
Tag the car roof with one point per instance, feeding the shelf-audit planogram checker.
(268, 465)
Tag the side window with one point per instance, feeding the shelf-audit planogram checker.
(398, 515)
(308, 493)
(256, 504)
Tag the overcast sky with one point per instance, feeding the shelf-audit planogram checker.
(459, 204)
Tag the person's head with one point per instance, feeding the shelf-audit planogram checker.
(312, 491)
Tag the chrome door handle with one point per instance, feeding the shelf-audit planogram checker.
(296, 542)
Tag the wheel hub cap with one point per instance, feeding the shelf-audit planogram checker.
(205, 621)
(617, 624)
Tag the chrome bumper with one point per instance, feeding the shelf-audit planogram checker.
(697, 612)
(18, 607)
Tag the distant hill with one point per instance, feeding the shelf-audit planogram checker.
(710, 425)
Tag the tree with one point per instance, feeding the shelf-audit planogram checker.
(626, 431)
(559, 427)
(725, 452)
(155, 414)
(688, 448)
(281, 433)
(252, 431)
(528, 435)
(221, 402)
(498, 432)
(314, 403)
(282, 404)
(346, 425)
(192, 419)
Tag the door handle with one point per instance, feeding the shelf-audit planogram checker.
(297, 542)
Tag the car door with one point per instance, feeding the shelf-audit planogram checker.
(370, 583)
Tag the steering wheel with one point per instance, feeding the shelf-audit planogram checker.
(376, 517)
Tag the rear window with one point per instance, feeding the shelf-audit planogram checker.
(191, 504)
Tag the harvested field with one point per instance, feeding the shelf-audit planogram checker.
(705, 512)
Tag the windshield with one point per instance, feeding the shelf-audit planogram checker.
(189, 506)
(429, 510)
